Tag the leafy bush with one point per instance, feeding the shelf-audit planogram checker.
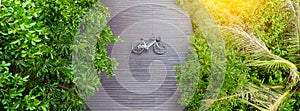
(37, 38)
(89, 50)
(262, 48)
(194, 76)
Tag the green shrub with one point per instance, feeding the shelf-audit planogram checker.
(37, 38)
(262, 55)
(194, 76)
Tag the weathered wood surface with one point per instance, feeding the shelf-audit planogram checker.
(145, 82)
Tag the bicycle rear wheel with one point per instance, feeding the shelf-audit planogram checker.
(137, 50)
(159, 48)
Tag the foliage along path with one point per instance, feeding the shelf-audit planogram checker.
(147, 81)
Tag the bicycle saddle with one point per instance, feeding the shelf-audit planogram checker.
(157, 39)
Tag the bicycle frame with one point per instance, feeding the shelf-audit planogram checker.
(147, 46)
(159, 48)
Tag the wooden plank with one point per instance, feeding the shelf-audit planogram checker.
(145, 82)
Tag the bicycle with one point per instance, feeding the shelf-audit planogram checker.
(158, 47)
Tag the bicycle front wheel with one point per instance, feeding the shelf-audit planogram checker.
(159, 48)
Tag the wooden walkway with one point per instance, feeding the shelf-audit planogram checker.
(145, 82)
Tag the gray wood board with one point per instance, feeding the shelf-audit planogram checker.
(145, 82)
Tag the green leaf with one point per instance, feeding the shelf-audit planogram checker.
(15, 42)
(44, 108)
(32, 24)
(38, 53)
(37, 39)
(33, 43)
(26, 3)
(5, 64)
(31, 31)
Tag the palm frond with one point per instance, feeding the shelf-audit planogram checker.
(261, 55)
(272, 64)
(292, 35)
(261, 97)
(279, 101)
(246, 41)
(295, 17)
(276, 64)
(254, 105)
